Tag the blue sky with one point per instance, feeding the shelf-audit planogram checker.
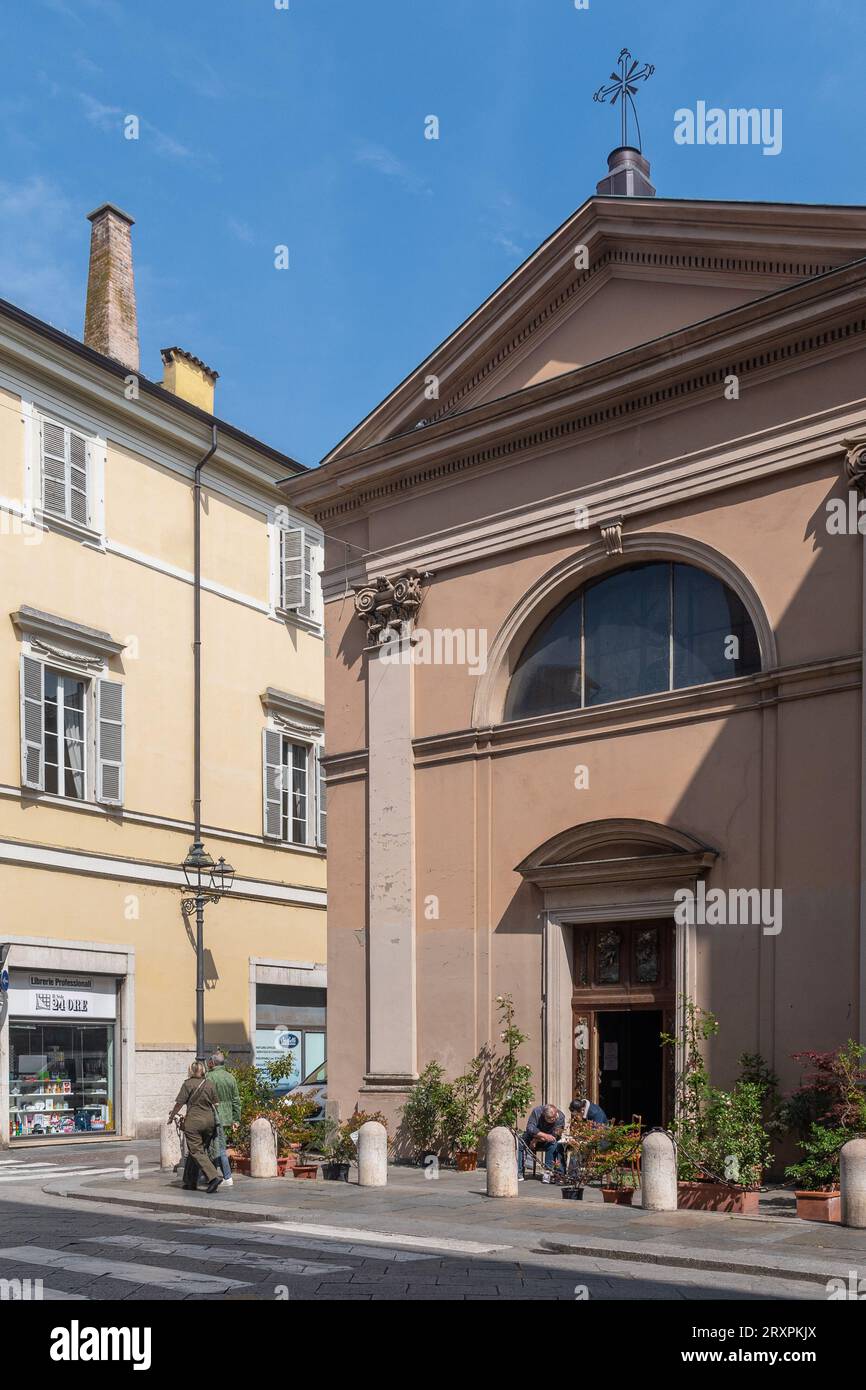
(262, 127)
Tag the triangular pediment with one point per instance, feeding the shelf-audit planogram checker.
(619, 273)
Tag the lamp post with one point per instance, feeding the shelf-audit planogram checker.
(207, 883)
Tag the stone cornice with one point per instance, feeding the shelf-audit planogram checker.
(671, 708)
(628, 496)
(717, 700)
(66, 640)
(753, 341)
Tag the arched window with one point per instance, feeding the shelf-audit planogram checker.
(648, 627)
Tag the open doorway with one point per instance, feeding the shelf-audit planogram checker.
(630, 1064)
(624, 995)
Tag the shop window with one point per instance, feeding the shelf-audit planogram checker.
(291, 1019)
(61, 1079)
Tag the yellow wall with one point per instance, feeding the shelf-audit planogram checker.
(144, 603)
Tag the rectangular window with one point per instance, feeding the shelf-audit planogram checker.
(71, 734)
(64, 736)
(64, 473)
(296, 757)
(292, 790)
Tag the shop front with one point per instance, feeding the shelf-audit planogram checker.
(288, 1017)
(61, 1054)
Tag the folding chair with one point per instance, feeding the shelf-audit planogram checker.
(529, 1155)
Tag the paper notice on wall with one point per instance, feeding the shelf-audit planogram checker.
(610, 1058)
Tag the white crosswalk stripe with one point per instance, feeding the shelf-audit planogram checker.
(222, 1254)
(37, 1173)
(354, 1236)
(184, 1281)
(262, 1237)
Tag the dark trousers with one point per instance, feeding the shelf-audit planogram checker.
(551, 1153)
(197, 1141)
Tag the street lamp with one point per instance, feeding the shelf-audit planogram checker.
(207, 883)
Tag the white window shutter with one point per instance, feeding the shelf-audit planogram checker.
(321, 802)
(272, 783)
(109, 742)
(53, 468)
(292, 566)
(309, 577)
(78, 505)
(32, 714)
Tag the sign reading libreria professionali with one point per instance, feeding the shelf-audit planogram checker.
(42, 994)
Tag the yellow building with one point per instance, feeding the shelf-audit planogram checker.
(97, 464)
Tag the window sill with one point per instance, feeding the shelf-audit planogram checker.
(293, 845)
(84, 803)
(289, 615)
(49, 521)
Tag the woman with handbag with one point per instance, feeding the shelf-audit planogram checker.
(200, 1098)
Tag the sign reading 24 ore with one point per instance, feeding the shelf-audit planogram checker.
(33, 994)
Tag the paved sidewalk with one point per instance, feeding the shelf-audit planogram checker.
(453, 1212)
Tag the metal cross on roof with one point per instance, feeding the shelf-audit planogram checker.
(622, 87)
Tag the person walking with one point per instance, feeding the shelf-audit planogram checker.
(200, 1121)
(228, 1109)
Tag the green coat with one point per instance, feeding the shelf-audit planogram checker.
(229, 1097)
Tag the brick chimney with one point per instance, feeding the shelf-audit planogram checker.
(110, 318)
(188, 377)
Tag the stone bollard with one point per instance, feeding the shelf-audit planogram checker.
(372, 1154)
(169, 1146)
(501, 1163)
(263, 1150)
(658, 1172)
(852, 1181)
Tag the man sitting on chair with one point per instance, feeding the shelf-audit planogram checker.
(543, 1132)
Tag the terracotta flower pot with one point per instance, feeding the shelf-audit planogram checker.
(717, 1196)
(239, 1163)
(619, 1196)
(819, 1206)
(466, 1160)
(306, 1171)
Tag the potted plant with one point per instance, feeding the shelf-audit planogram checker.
(510, 1092)
(723, 1147)
(462, 1122)
(337, 1148)
(288, 1115)
(827, 1110)
(615, 1156)
(466, 1149)
(423, 1113)
(337, 1143)
(817, 1175)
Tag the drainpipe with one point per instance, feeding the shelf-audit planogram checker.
(196, 641)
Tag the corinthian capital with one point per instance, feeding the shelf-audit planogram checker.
(855, 463)
(388, 606)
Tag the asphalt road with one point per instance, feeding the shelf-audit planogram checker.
(91, 1251)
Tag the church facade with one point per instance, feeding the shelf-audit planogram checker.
(594, 594)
